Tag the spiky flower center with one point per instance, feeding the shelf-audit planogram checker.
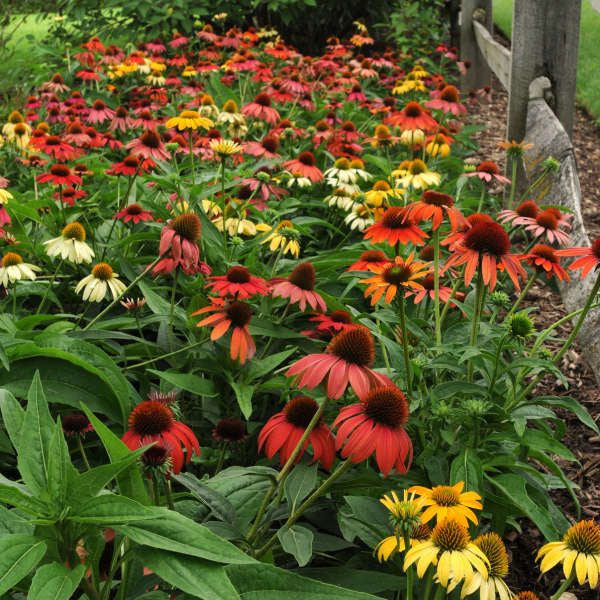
(437, 198)
(322, 125)
(20, 129)
(263, 100)
(427, 252)
(270, 143)
(189, 114)
(488, 167)
(150, 139)
(304, 276)
(307, 158)
(131, 161)
(103, 271)
(493, 547)
(53, 140)
(11, 259)
(15, 117)
(230, 107)
(238, 275)
(417, 167)
(596, 248)
(545, 252)
(300, 411)
(342, 164)
(421, 532)
(239, 313)
(349, 125)
(450, 94)
(98, 105)
(381, 186)
(121, 112)
(547, 219)
(341, 316)
(528, 209)
(155, 456)
(134, 209)
(413, 109)
(231, 430)
(450, 536)
(206, 100)
(387, 406)
(74, 231)
(396, 274)
(526, 596)
(75, 423)
(584, 537)
(373, 256)
(150, 418)
(382, 132)
(489, 238)
(395, 217)
(188, 226)
(354, 345)
(445, 495)
(60, 170)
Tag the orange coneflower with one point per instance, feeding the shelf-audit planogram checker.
(454, 238)
(238, 282)
(428, 291)
(396, 225)
(369, 259)
(401, 273)
(486, 245)
(433, 205)
(413, 117)
(234, 314)
(283, 431)
(590, 257)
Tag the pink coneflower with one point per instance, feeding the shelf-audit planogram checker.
(56, 84)
(260, 108)
(238, 282)
(346, 360)
(76, 134)
(149, 145)
(155, 46)
(590, 257)
(88, 75)
(448, 101)
(99, 112)
(60, 175)
(179, 237)
(76, 424)
(356, 93)
(262, 181)
(121, 120)
(547, 223)
(146, 121)
(266, 148)
(487, 171)
(299, 287)
(305, 164)
(283, 431)
(330, 325)
(528, 209)
(178, 40)
(134, 212)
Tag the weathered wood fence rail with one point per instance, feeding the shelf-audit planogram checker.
(539, 73)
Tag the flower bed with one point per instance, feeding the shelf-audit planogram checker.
(219, 253)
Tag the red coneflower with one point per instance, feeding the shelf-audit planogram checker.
(454, 238)
(53, 146)
(368, 260)
(159, 459)
(260, 108)
(267, 147)
(130, 165)
(99, 112)
(299, 287)
(179, 237)
(396, 225)
(283, 431)
(433, 205)
(60, 175)
(331, 324)
(304, 164)
(230, 430)
(376, 424)
(69, 195)
(76, 424)
(149, 145)
(121, 120)
(152, 421)
(233, 314)
(448, 101)
(413, 117)
(345, 361)
(134, 212)
(486, 245)
(238, 282)
(546, 222)
(545, 260)
(528, 209)
(487, 171)
(590, 257)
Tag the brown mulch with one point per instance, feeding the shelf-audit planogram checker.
(582, 441)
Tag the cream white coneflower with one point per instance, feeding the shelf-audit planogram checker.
(98, 282)
(14, 269)
(70, 245)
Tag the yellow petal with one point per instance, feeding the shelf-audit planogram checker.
(443, 569)
(551, 559)
(592, 569)
(581, 568)
(568, 563)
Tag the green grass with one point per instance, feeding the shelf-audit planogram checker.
(588, 73)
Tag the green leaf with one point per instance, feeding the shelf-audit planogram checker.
(467, 467)
(355, 579)
(171, 531)
(34, 445)
(192, 575)
(19, 554)
(265, 582)
(258, 368)
(297, 541)
(243, 393)
(218, 504)
(188, 382)
(570, 404)
(15, 495)
(158, 305)
(55, 582)
(130, 479)
(299, 484)
(513, 488)
(59, 466)
(13, 416)
(111, 509)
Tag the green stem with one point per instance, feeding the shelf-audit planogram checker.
(513, 181)
(439, 593)
(481, 199)
(428, 584)
(223, 206)
(302, 508)
(39, 309)
(133, 283)
(169, 494)
(14, 301)
(496, 361)
(167, 355)
(172, 311)
(476, 316)
(82, 452)
(436, 285)
(89, 589)
(112, 228)
(221, 457)
(410, 571)
(564, 586)
(191, 143)
(124, 574)
(405, 347)
(522, 296)
(455, 287)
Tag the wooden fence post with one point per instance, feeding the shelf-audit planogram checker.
(478, 74)
(545, 42)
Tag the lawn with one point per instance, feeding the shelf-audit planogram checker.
(588, 75)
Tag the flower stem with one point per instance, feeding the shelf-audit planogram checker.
(221, 457)
(523, 295)
(134, 282)
(167, 355)
(481, 199)
(410, 571)
(564, 586)
(82, 452)
(513, 182)
(405, 347)
(39, 309)
(191, 143)
(14, 300)
(112, 228)
(447, 304)
(298, 513)
(428, 584)
(169, 495)
(172, 311)
(476, 316)
(436, 285)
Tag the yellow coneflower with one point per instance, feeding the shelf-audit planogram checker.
(416, 174)
(449, 502)
(13, 118)
(224, 147)
(409, 84)
(156, 78)
(388, 546)
(412, 137)
(189, 119)
(579, 553)
(70, 245)
(438, 146)
(14, 269)
(98, 282)
(381, 192)
(189, 71)
(283, 235)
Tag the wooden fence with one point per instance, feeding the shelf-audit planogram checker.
(539, 73)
